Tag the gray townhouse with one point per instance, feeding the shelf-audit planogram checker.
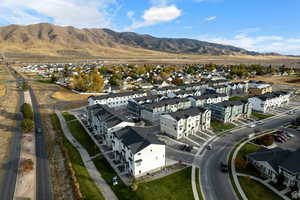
(272, 163)
(228, 111)
(185, 122)
(105, 120)
(151, 112)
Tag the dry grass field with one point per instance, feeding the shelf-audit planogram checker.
(7, 116)
(292, 81)
(66, 95)
(2, 90)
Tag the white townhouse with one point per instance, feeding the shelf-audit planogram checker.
(198, 86)
(239, 87)
(138, 150)
(268, 101)
(105, 120)
(185, 122)
(115, 99)
(165, 90)
(151, 112)
(198, 101)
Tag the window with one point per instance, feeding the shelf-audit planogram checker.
(139, 154)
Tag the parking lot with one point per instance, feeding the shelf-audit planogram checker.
(291, 143)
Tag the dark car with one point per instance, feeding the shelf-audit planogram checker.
(224, 167)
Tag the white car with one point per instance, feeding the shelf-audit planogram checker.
(252, 125)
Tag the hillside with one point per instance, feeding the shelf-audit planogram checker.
(51, 40)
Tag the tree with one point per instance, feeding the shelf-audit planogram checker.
(27, 125)
(241, 163)
(114, 80)
(27, 165)
(27, 111)
(96, 83)
(25, 86)
(177, 81)
(266, 140)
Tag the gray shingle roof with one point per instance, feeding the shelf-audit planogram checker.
(137, 138)
(187, 113)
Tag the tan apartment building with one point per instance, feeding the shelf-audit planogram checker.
(259, 89)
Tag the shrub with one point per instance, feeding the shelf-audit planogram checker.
(27, 125)
(135, 184)
(241, 163)
(27, 165)
(265, 140)
(27, 111)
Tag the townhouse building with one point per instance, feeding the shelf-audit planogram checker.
(259, 89)
(219, 89)
(228, 111)
(239, 88)
(165, 90)
(115, 99)
(138, 150)
(185, 122)
(268, 101)
(104, 120)
(213, 83)
(197, 86)
(200, 101)
(151, 112)
(276, 162)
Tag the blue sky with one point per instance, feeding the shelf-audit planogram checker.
(259, 25)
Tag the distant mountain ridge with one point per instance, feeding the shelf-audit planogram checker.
(46, 38)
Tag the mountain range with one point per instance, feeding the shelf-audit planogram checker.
(51, 40)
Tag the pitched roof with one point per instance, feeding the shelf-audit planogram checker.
(183, 114)
(273, 156)
(113, 95)
(138, 138)
(271, 95)
(230, 103)
(166, 102)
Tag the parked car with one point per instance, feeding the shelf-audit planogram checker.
(224, 167)
(252, 125)
(260, 123)
(290, 134)
(209, 147)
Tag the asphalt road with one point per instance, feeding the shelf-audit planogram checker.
(11, 167)
(43, 190)
(215, 184)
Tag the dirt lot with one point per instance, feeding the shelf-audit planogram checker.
(2, 90)
(7, 116)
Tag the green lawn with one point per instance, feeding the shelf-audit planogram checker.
(256, 191)
(87, 185)
(236, 98)
(68, 116)
(220, 127)
(261, 115)
(173, 187)
(81, 136)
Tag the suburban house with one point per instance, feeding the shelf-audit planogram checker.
(272, 163)
(198, 101)
(228, 111)
(105, 120)
(259, 89)
(151, 112)
(213, 83)
(268, 101)
(115, 99)
(139, 150)
(185, 122)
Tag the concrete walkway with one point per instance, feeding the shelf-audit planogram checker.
(92, 170)
(265, 184)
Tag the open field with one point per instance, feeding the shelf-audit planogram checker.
(2, 90)
(292, 81)
(66, 95)
(7, 116)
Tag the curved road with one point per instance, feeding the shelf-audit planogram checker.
(216, 185)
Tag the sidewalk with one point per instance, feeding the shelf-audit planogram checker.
(92, 170)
